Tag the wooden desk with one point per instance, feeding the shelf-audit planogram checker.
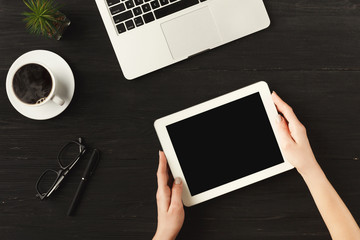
(310, 55)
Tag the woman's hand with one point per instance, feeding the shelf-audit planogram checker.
(296, 149)
(293, 139)
(170, 208)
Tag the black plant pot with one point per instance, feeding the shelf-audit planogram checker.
(59, 26)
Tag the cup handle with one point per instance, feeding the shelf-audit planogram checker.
(59, 101)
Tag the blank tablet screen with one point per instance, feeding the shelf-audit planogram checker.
(225, 144)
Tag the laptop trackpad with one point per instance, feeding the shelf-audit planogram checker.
(191, 33)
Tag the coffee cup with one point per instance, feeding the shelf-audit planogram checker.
(33, 84)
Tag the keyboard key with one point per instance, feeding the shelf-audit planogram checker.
(149, 17)
(138, 21)
(137, 11)
(118, 8)
(146, 7)
(129, 4)
(138, 2)
(164, 2)
(129, 24)
(175, 7)
(121, 28)
(155, 4)
(123, 16)
(112, 2)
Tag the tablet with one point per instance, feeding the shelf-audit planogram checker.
(223, 144)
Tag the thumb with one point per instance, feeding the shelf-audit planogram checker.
(176, 193)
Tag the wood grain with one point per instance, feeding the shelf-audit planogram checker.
(310, 55)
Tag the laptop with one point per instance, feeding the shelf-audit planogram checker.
(148, 35)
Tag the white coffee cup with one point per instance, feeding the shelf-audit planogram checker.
(52, 96)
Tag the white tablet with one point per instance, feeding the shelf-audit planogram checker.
(223, 144)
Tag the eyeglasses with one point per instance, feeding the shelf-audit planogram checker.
(68, 156)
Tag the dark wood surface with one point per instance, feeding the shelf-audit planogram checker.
(310, 55)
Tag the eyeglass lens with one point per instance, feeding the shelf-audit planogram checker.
(46, 181)
(69, 154)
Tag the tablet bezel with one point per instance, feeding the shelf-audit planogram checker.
(160, 126)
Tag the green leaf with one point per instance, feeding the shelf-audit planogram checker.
(44, 15)
(29, 5)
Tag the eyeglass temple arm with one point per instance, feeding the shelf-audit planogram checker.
(63, 174)
(61, 178)
(81, 147)
(56, 185)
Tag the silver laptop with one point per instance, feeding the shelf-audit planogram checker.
(150, 34)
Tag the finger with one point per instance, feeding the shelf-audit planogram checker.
(285, 109)
(284, 132)
(295, 127)
(176, 194)
(162, 172)
(163, 194)
(163, 199)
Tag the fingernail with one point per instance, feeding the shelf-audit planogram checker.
(177, 180)
(278, 118)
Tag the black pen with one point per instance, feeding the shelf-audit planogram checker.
(90, 168)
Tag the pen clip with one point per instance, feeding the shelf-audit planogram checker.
(92, 164)
(95, 154)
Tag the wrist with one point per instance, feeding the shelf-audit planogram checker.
(308, 166)
(311, 172)
(160, 236)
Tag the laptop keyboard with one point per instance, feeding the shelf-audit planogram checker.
(129, 14)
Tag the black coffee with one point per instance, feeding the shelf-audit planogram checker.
(32, 83)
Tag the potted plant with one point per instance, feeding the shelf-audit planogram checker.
(45, 18)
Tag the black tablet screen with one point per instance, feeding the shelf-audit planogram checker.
(225, 143)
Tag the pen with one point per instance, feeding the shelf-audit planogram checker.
(90, 168)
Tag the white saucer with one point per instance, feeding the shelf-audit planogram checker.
(65, 84)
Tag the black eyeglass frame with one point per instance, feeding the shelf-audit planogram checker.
(62, 172)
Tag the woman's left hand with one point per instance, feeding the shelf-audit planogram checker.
(170, 208)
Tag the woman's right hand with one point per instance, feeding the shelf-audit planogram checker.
(293, 138)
